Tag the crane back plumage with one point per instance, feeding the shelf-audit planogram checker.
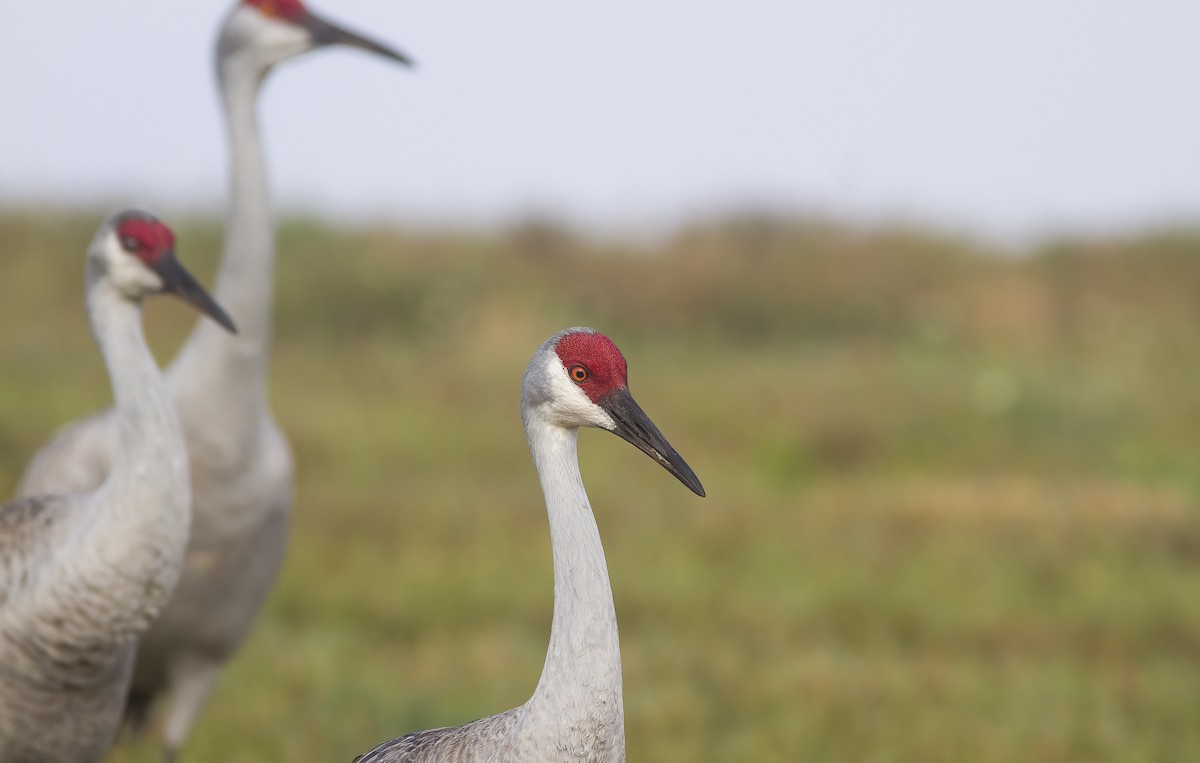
(62, 685)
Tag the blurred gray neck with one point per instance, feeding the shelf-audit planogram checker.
(578, 699)
(132, 533)
(148, 427)
(213, 364)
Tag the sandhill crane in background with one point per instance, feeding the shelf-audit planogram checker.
(83, 575)
(577, 378)
(241, 463)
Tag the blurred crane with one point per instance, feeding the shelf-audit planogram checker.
(577, 378)
(241, 464)
(82, 575)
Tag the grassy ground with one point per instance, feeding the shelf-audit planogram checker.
(953, 512)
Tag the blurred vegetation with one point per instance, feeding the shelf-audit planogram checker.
(953, 512)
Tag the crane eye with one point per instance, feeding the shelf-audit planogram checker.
(130, 243)
(579, 374)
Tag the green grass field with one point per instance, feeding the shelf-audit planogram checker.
(953, 504)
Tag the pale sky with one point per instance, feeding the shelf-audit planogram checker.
(1009, 118)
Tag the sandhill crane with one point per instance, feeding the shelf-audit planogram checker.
(240, 461)
(82, 575)
(577, 378)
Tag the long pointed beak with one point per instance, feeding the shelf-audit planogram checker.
(635, 427)
(176, 280)
(327, 33)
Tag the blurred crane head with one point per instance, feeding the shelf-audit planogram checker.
(135, 252)
(263, 33)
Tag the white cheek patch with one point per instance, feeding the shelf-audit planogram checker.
(129, 274)
(262, 39)
(278, 39)
(571, 405)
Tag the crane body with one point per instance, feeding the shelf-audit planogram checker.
(241, 463)
(576, 713)
(82, 575)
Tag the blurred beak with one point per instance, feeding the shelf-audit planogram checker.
(634, 426)
(176, 280)
(327, 33)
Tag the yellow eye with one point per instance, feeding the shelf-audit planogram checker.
(578, 374)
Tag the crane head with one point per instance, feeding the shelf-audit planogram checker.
(135, 251)
(267, 32)
(580, 378)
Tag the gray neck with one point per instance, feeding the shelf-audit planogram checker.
(580, 687)
(127, 547)
(147, 426)
(212, 364)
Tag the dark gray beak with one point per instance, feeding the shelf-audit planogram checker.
(634, 426)
(327, 33)
(176, 280)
